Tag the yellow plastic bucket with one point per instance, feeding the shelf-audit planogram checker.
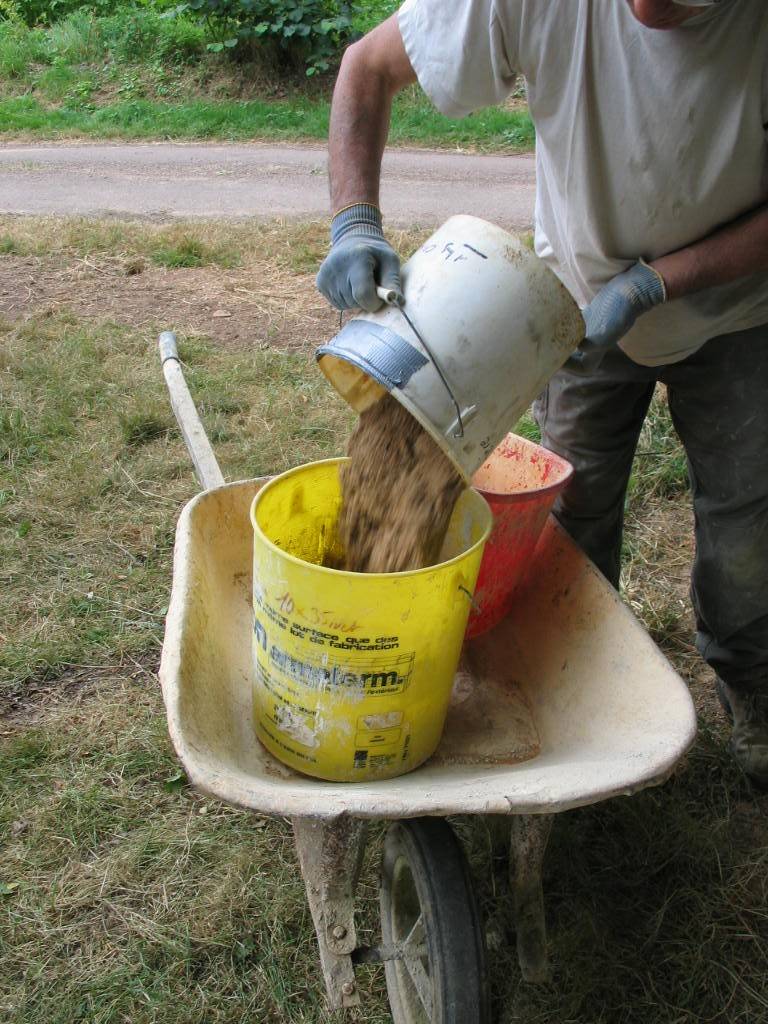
(353, 670)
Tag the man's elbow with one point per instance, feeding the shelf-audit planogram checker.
(379, 56)
(355, 60)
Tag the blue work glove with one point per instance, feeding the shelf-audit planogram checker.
(613, 311)
(359, 260)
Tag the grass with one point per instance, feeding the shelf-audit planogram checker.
(176, 245)
(125, 895)
(7, 246)
(130, 897)
(655, 907)
(414, 122)
(107, 851)
(187, 251)
(135, 75)
(660, 469)
(85, 442)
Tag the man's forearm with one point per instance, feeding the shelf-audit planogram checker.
(372, 71)
(736, 250)
(358, 133)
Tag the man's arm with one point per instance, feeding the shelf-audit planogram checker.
(732, 251)
(372, 72)
(736, 250)
(361, 259)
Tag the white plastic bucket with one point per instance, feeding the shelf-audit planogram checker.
(494, 325)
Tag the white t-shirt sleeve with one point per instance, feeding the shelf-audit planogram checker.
(462, 57)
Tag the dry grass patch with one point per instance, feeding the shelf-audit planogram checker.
(94, 475)
(658, 552)
(123, 894)
(129, 897)
(243, 285)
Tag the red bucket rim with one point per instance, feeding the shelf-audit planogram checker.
(532, 494)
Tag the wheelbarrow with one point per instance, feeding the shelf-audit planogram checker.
(611, 714)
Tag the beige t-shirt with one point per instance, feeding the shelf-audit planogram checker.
(646, 141)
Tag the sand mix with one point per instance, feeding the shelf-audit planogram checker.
(398, 493)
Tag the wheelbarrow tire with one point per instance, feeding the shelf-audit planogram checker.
(427, 893)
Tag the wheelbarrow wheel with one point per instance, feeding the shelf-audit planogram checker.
(431, 928)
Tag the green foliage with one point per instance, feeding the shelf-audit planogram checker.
(18, 49)
(303, 32)
(370, 13)
(11, 11)
(75, 40)
(57, 81)
(133, 36)
(47, 12)
(292, 120)
(145, 70)
(126, 35)
(177, 249)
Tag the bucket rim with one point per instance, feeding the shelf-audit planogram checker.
(502, 497)
(405, 574)
(396, 391)
(534, 493)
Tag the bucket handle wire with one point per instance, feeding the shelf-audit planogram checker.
(471, 598)
(392, 298)
(199, 447)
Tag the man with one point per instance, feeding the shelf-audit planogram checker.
(652, 181)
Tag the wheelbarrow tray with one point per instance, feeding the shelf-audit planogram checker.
(612, 715)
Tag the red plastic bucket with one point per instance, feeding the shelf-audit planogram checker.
(520, 482)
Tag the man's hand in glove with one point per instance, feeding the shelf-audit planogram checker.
(359, 260)
(613, 311)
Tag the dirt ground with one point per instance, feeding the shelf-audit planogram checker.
(226, 305)
(660, 586)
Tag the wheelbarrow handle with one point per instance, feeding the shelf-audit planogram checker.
(168, 347)
(199, 447)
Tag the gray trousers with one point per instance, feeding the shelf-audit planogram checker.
(718, 400)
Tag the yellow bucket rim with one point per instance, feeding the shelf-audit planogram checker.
(405, 574)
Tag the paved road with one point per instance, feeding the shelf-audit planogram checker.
(163, 180)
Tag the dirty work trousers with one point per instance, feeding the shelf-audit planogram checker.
(718, 400)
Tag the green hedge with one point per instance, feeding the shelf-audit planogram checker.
(127, 35)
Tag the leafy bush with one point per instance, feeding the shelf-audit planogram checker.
(293, 33)
(304, 32)
(10, 11)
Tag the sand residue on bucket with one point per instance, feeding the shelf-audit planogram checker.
(398, 493)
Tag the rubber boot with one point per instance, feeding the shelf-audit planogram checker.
(749, 739)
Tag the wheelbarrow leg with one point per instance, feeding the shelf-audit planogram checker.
(330, 854)
(530, 833)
